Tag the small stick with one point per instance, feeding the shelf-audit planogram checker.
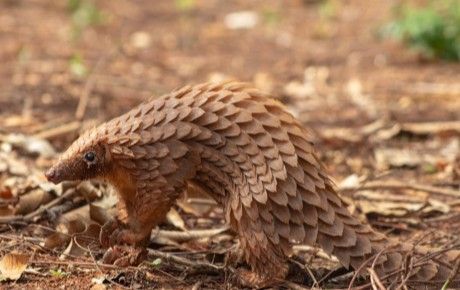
(375, 281)
(431, 127)
(204, 201)
(81, 264)
(58, 131)
(90, 84)
(184, 261)
(69, 193)
(452, 274)
(295, 286)
(12, 218)
(188, 235)
(197, 285)
(305, 267)
(401, 185)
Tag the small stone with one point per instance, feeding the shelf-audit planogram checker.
(241, 20)
(140, 39)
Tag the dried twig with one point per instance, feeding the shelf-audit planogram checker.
(452, 274)
(197, 285)
(39, 211)
(91, 83)
(400, 185)
(101, 271)
(294, 286)
(373, 258)
(58, 131)
(426, 128)
(82, 264)
(426, 88)
(318, 252)
(310, 273)
(185, 261)
(375, 281)
(180, 236)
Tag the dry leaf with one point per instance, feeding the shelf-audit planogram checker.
(98, 287)
(13, 265)
(339, 136)
(203, 205)
(351, 181)
(79, 213)
(51, 187)
(14, 165)
(89, 236)
(389, 208)
(175, 219)
(400, 204)
(88, 190)
(354, 89)
(264, 82)
(392, 157)
(73, 230)
(5, 193)
(299, 90)
(427, 128)
(241, 20)
(436, 205)
(3, 165)
(30, 144)
(32, 200)
(73, 249)
(72, 227)
(6, 210)
(56, 240)
(99, 214)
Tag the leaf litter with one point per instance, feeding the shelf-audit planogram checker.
(397, 165)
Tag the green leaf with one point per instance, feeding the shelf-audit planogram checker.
(271, 17)
(77, 66)
(156, 263)
(184, 5)
(58, 273)
(84, 13)
(433, 30)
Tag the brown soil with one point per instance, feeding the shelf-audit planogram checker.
(357, 77)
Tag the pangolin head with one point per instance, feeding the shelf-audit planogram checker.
(88, 157)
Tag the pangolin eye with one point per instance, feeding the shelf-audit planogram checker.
(90, 156)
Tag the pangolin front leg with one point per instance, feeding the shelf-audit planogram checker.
(128, 235)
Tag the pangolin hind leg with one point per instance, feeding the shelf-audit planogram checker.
(268, 262)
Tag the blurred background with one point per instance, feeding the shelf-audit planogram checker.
(334, 63)
(378, 81)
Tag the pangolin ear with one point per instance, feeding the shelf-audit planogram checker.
(108, 154)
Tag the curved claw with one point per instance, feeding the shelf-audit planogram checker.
(115, 233)
(248, 278)
(234, 257)
(106, 232)
(124, 256)
(123, 236)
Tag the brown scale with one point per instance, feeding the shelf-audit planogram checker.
(254, 158)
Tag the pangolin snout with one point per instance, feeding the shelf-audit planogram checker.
(53, 175)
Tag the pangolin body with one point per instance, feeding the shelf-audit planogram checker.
(255, 159)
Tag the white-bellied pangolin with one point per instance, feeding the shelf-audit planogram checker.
(256, 160)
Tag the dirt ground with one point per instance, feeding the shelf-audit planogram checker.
(387, 121)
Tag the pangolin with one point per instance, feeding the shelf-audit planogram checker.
(257, 161)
